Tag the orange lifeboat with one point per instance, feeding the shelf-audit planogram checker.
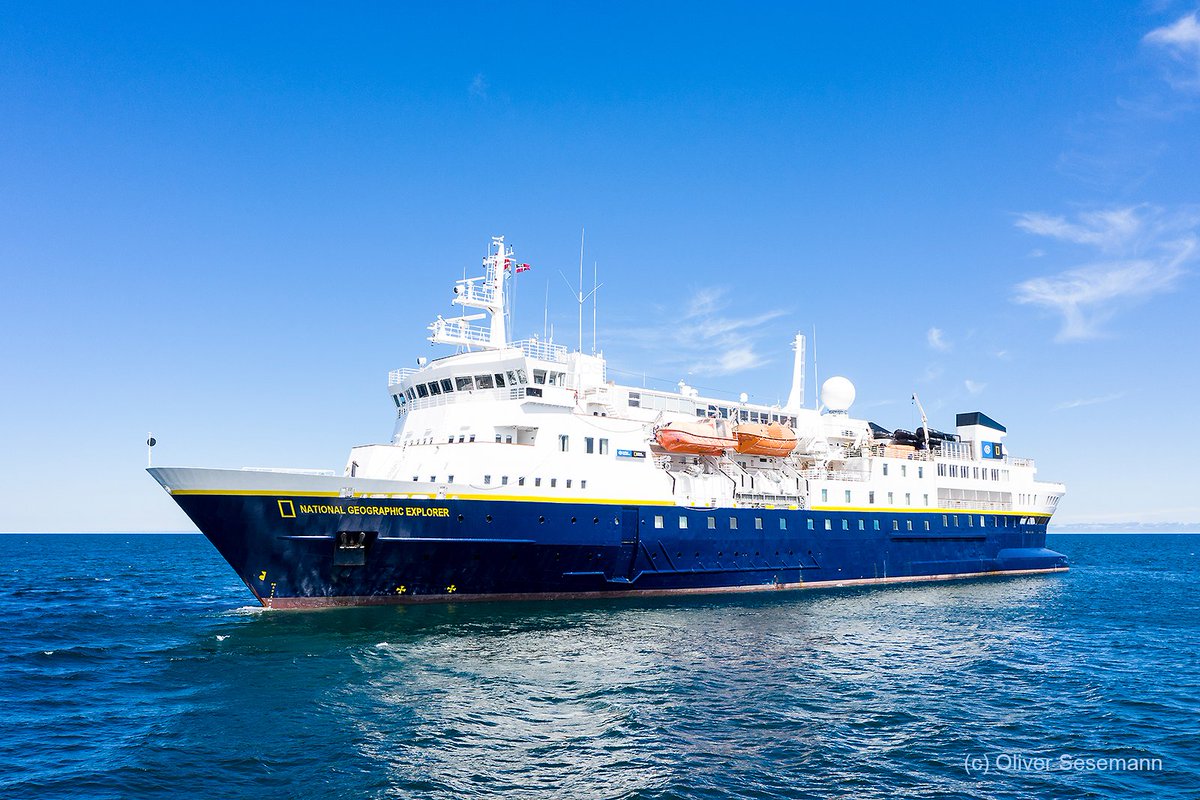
(756, 439)
(697, 438)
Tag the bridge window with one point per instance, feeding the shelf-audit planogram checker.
(447, 386)
(464, 383)
(862, 526)
(499, 378)
(539, 376)
(484, 382)
(422, 390)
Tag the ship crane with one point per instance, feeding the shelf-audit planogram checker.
(924, 420)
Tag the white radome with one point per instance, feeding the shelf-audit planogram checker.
(837, 394)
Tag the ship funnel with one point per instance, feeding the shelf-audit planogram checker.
(795, 400)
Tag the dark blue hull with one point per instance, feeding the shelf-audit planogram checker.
(306, 552)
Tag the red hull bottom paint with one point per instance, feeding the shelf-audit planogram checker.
(310, 603)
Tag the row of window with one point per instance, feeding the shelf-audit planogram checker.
(948, 521)
(487, 480)
(891, 497)
(590, 444)
(659, 402)
(963, 471)
(904, 471)
(467, 383)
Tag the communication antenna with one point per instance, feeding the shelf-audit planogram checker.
(580, 297)
(595, 289)
(546, 311)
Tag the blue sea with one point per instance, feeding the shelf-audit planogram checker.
(135, 666)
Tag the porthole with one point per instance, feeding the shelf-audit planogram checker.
(542, 520)
(572, 520)
(461, 517)
(488, 517)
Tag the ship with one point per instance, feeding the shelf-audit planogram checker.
(521, 470)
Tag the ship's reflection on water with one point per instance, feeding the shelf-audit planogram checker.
(627, 697)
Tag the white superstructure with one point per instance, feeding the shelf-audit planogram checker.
(529, 419)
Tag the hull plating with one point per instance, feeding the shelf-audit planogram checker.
(305, 552)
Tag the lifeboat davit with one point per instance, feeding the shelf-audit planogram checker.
(756, 439)
(697, 438)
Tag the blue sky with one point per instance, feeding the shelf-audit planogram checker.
(225, 223)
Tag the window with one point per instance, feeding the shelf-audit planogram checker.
(504, 480)
(433, 478)
(568, 483)
(472, 438)
(920, 472)
(945, 521)
(885, 466)
(758, 523)
(733, 523)
(908, 523)
(564, 442)
(926, 498)
(537, 481)
(970, 521)
(553, 482)
(712, 523)
(810, 524)
(447, 386)
(521, 376)
(521, 481)
(903, 470)
(871, 498)
(589, 444)
(539, 376)
(926, 524)
(828, 525)
(604, 447)
(891, 501)
(824, 495)
(461, 438)
(876, 524)
(635, 399)
(683, 523)
(956, 520)
(497, 438)
(499, 378)
(508, 439)
(895, 524)
(487, 479)
(464, 383)
(483, 382)
(981, 520)
(845, 524)
(783, 523)
(583, 484)
(658, 520)
(862, 526)
(908, 498)
(449, 479)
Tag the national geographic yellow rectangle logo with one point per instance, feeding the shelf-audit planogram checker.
(286, 509)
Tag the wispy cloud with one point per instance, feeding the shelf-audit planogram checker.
(1147, 251)
(1108, 230)
(708, 339)
(1091, 401)
(479, 87)
(973, 387)
(1181, 42)
(937, 339)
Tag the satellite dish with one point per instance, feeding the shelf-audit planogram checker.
(743, 397)
(837, 394)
